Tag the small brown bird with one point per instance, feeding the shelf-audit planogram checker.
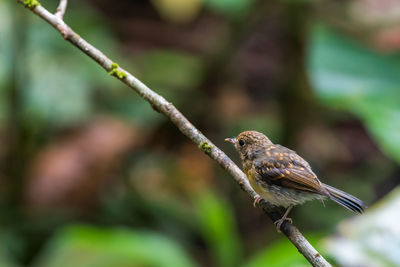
(282, 177)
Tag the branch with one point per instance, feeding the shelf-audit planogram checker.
(62, 6)
(161, 105)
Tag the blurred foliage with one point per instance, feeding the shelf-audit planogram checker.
(219, 229)
(91, 175)
(90, 246)
(281, 253)
(178, 11)
(5, 259)
(370, 240)
(6, 54)
(230, 8)
(178, 73)
(56, 91)
(351, 77)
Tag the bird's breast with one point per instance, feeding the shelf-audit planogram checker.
(251, 176)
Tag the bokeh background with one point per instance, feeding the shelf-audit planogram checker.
(91, 175)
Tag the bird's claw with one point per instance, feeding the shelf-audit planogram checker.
(279, 222)
(257, 201)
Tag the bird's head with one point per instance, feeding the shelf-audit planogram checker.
(249, 142)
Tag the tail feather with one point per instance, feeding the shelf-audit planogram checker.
(346, 200)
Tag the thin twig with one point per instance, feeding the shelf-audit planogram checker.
(62, 6)
(168, 109)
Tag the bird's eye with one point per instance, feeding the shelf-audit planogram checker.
(241, 142)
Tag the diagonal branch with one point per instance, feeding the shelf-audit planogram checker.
(161, 105)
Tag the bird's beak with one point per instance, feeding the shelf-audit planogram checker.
(231, 140)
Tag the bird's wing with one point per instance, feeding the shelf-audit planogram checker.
(288, 172)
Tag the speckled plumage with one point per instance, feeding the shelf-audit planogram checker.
(282, 177)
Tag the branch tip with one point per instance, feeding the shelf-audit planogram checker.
(62, 7)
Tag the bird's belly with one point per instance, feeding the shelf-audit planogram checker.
(281, 196)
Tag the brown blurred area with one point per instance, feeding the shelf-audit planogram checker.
(74, 170)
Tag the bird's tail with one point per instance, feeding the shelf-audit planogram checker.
(346, 200)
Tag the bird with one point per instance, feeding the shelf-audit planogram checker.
(283, 178)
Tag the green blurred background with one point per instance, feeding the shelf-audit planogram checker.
(91, 175)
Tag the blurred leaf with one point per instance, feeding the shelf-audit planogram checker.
(88, 246)
(179, 11)
(6, 13)
(231, 8)
(372, 239)
(348, 76)
(6, 56)
(5, 261)
(219, 228)
(280, 253)
(12, 243)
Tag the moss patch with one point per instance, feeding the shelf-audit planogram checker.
(115, 72)
(205, 147)
(31, 3)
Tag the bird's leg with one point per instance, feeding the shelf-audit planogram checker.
(257, 201)
(279, 222)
